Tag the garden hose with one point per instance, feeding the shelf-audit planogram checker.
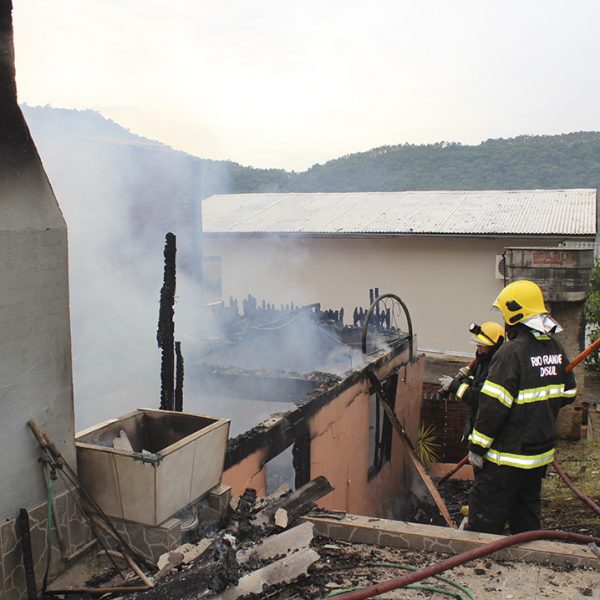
(384, 564)
(464, 557)
(413, 586)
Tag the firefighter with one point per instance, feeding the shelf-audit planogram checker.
(512, 441)
(487, 338)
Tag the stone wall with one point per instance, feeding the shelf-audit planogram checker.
(70, 536)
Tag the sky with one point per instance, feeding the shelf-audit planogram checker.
(281, 84)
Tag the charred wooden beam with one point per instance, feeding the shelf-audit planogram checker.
(23, 524)
(179, 378)
(289, 508)
(166, 326)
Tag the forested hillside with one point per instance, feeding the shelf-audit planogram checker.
(551, 161)
(558, 161)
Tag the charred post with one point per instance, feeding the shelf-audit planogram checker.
(166, 326)
(23, 521)
(179, 378)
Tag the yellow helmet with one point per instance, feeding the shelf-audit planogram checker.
(487, 334)
(520, 300)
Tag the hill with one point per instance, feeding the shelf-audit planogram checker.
(550, 161)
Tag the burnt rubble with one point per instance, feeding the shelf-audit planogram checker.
(257, 314)
(254, 549)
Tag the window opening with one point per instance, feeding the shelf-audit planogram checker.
(380, 428)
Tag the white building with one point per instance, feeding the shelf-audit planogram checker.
(438, 250)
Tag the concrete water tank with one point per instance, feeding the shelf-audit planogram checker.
(149, 464)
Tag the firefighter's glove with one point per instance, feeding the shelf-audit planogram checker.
(450, 385)
(475, 460)
(445, 382)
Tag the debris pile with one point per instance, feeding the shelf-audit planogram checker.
(261, 545)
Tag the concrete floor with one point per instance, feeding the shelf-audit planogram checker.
(516, 582)
(535, 570)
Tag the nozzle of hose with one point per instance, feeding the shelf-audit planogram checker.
(463, 372)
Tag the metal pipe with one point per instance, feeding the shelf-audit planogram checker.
(459, 559)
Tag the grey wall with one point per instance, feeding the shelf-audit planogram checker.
(35, 341)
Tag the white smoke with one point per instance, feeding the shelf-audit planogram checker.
(116, 241)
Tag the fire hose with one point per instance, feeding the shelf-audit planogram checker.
(459, 559)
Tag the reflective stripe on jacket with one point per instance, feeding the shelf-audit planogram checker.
(525, 388)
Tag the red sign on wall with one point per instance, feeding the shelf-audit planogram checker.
(554, 259)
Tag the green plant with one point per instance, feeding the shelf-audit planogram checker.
(427, 445)
(592, 317)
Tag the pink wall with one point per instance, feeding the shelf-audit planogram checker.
(340, 447)
(249, 472)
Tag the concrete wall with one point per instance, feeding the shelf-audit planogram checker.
(35, 354)
(446, 283)
(35, 342)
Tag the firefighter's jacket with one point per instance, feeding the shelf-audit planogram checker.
(527, 385)
(469, 390)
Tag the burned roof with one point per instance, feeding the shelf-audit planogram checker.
(560, 212)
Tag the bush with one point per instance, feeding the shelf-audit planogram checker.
(592, 317)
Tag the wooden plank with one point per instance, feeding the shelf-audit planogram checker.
(295, 504)
(410, 449)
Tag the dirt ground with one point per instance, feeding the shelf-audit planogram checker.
(561, 509)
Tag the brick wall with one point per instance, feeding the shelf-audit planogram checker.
(448, 416)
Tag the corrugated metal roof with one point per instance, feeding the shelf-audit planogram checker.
(488, 212)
